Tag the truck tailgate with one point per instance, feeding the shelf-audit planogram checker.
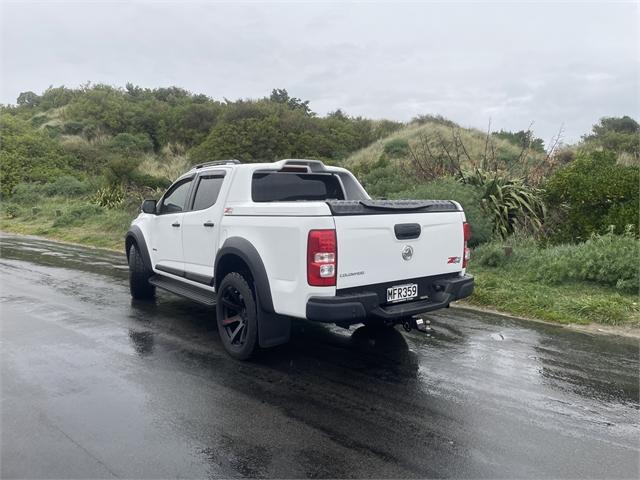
(393, 247)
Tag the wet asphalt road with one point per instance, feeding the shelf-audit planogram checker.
(97, 386)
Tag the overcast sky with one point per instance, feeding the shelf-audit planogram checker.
(551, 63)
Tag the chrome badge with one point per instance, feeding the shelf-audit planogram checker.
(407, 252)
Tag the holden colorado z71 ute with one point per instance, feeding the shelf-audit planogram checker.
(270, 242)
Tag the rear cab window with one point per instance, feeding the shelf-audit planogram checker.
(278, 186)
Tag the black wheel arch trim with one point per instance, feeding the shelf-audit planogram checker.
(135, 235)
(245, 250)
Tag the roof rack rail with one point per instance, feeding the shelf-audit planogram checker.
(232, 161)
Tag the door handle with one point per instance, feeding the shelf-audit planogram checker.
(175, 224)
(209, 224)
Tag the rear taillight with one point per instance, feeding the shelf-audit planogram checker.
(322, 258)
(466, 254)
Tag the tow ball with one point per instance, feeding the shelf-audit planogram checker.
(417, 323)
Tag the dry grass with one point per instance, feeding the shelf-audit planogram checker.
(170, 164)
(475, 144)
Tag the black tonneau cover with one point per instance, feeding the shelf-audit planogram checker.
(381, 207)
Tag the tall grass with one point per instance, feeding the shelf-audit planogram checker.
(595, 281)
(609, 260)
(170, 164)
(475, 143)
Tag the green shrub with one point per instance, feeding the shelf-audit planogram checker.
(129, 144)
(617, 134)
(523, 139)
(55, 97)
(490, 255)
(121, 170)
(610, 260)
(593, 192)
(39, 120)
(77, 215)
(90, 131)
(28, 155)
(53, 131)
(437, 119)
(469, 196)
(67, 186)
(605, 259)
(64, 186)
(73, 128)
(11, 210)
(27, 193)
(397, 148)
(85, 156)
(515, 252)
(151, 181)
(385, 178)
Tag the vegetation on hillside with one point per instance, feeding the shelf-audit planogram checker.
(99, 129)
(555, 227)
(592, 194)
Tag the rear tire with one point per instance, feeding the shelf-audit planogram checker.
(139, 276)
(237, 316)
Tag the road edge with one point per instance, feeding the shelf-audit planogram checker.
(63, 242)
(592, 328)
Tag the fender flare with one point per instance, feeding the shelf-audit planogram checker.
(135, 235)
(244, 249)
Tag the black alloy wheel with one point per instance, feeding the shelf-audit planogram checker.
(237, 316)
(234, 316)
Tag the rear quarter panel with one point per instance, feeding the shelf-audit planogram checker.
(281, 242)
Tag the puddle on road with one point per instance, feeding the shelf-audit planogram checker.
(55, 254)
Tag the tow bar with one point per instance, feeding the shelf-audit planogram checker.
(417, 323)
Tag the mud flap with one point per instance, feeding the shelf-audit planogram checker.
(273, 329)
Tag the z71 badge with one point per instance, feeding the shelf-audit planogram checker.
(453, 260)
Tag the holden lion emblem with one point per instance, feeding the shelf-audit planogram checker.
(407, 252)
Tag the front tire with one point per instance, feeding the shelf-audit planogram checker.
(139, 276)
(237, 316)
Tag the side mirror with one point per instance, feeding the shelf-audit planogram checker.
(149, 206)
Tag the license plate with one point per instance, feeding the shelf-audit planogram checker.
(402, 292)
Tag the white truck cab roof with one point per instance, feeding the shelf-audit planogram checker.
(243, 173)
(294, 164)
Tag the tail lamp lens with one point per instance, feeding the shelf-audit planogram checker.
(322, 258)
(467, 231)
(466, 254)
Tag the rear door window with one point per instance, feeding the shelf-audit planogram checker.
(207, 191)
(290, 187)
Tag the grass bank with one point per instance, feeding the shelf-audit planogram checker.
(588, 283)
(70, 220)
(572, 302)
(591, 282)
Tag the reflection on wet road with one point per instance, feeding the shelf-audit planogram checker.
(97, 386)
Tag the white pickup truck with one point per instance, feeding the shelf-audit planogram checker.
(271, 242)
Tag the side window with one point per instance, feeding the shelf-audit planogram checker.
(175, 199)
(207, 191)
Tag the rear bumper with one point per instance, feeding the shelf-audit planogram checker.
(355, 307)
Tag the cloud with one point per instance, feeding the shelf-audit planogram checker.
(554, 64)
